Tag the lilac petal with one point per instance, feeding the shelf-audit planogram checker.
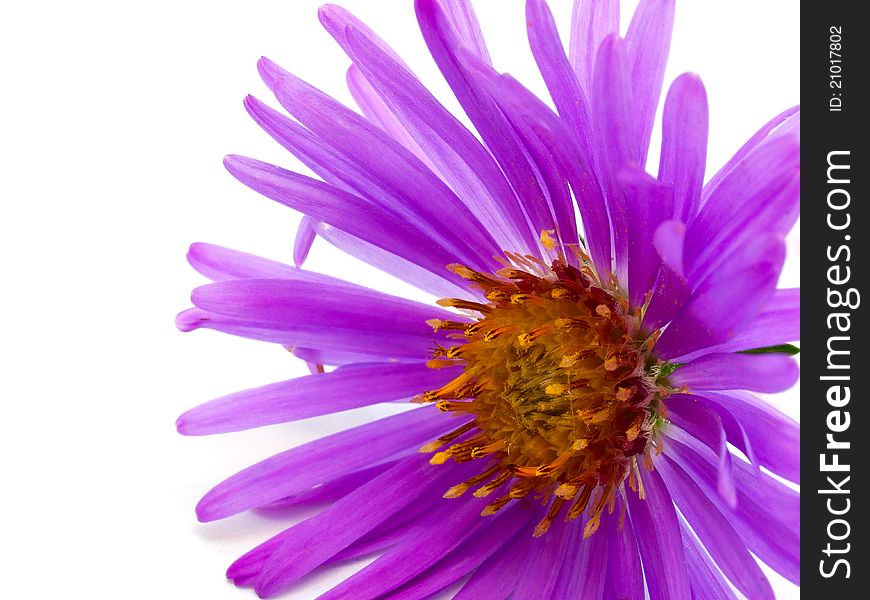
(344, 211)
(221, 264)
(504, 143)
(704, 576)
(304, 547)
(624, 572)
(471, 91)
(761, 195)
(464, 21)
(727, 300)
(336, 20)
(592, 563)
(546, 142)
(647, 203)
(419, 277)
(672, 290)
(461, 159)
(591, 22)
(562, 83)
(305, 236)
(773, 435)
(395, 530)
(658, 536)
(768, 373)
(543, 566)
(494, 534)
(572, 572)
(573, 108)
(648, 41)
(312, 396)
(779, 124)
(417, 193)
(766, 516)
(334, 343)
(684, 144)
(316, 315)
(755, 485)
(612, 110)
(327, 163)
(305, 304)
(694, 417)
(338, 358)
(378, 112)
(328, 458)
(778, 323)
(331, 490)
(424, 545)
(496, 578)
(323, 347)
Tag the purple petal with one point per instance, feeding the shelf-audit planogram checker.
(423, 546)
(464, 21)
(658, 536)
(684, 144)
(316, 315)
(613, 111)
(332, 346)
(378, 112)
(592, 563)
(727, 300)
(573, 108)
(624, 572)
(298, 469)
(395, 265)
(305, 236)
(716, 533)
(672, 290)
(647, 203)
(768, 373)
(302, 548)
(778, 323)
(222, 264)
(471, 91)
(331, 490)
(504, 143)
(542, 568)
(766, 516)
(704, 576)
(494, 534)
(562, 83)
(312, 396)
(591, 22)
(776, 451)
(496, 578)
(779, 125)
(547, 143)
(648, 41)
(457, 154)
(693, 416)
(761, 195)
(569, 577)
(344, 211)
(416, 192)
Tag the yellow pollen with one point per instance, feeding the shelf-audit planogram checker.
(559, 381)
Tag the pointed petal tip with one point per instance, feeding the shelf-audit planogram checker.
(269, 71)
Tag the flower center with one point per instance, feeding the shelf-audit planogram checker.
(559, 381)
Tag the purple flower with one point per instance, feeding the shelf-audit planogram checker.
(590, 379)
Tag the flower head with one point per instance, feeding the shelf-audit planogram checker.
(589, 377)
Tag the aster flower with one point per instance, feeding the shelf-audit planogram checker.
(585, 427)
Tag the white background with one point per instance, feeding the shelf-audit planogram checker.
(115, 117)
